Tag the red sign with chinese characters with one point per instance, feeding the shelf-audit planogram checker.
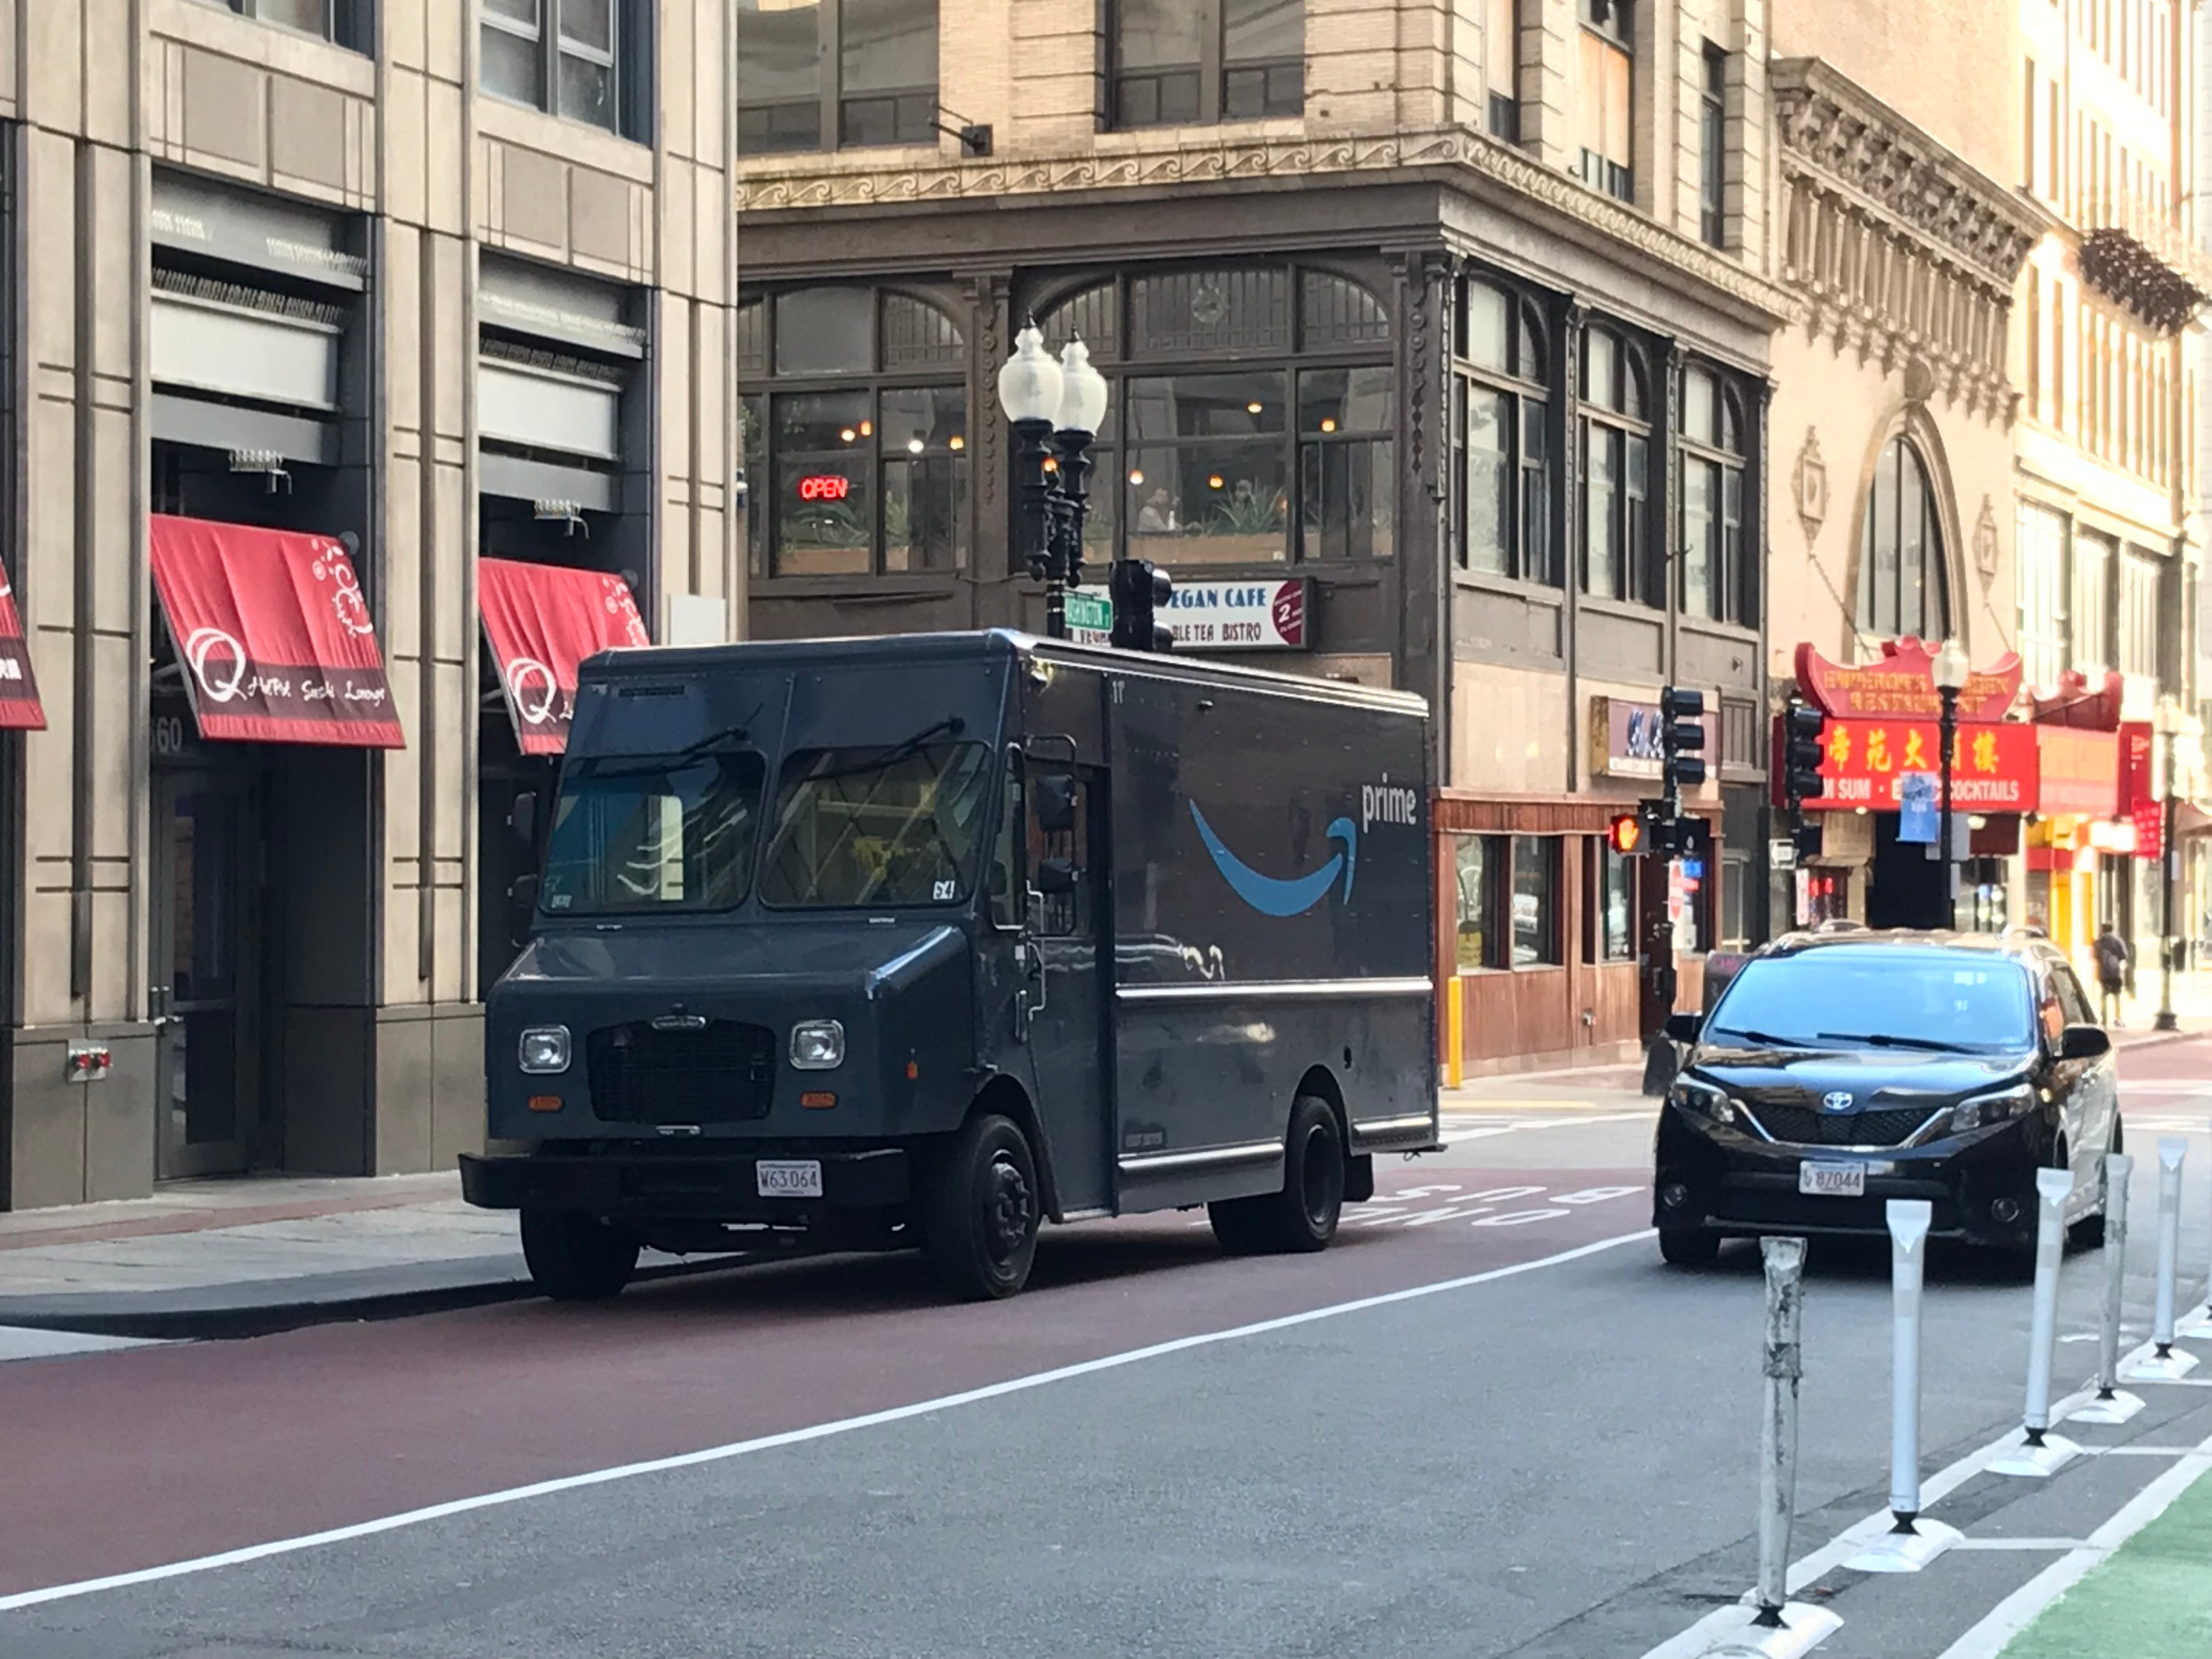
(1904, 683)
(1993, 769)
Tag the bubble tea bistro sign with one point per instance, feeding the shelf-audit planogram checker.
(1262, 616)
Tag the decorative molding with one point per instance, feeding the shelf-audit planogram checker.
(815, 182)
(1985, 543)
(1810, 477)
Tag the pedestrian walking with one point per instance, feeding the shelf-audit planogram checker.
(2113, 961)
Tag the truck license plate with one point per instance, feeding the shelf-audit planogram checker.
(788, 1178)
(1823, 1180)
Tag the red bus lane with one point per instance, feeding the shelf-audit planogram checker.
(136, 1459)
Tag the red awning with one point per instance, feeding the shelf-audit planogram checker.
(19, 688)
(543, 620)
(276, 639)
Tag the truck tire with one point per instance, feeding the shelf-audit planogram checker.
(980, 1210)
(575, 1257)
(1302, 1216)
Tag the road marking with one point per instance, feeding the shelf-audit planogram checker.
(2017, 1611)
(2056, 1545)
(792, 1436)
(1453, 1135)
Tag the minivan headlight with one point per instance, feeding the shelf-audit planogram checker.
(542, 1050)
(1704, 1100)
(818, 1045)
(1989, 1109)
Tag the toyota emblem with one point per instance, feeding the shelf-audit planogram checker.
(1836, 1100)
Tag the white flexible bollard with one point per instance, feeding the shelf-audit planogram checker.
(1911, 1541)
(2165, 1364)
(2041, 1452)
(2111, 1406)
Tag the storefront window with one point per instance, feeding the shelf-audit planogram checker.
(1612, 932)
(1202, 459)
(1616, 472)
(1535, 901)
(1477, 860)
(858, 451)
(1500, 438)
(1904, 588)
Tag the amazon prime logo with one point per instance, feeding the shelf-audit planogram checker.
(1837, 1100)
(1380, 803)
(1274, 895)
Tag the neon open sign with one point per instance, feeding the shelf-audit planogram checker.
(824, 487)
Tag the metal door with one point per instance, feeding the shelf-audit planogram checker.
(203, 982)
(1064, 937)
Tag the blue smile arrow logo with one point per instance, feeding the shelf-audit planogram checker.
(1270, 896)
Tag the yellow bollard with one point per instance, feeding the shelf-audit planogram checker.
(1455, 1029)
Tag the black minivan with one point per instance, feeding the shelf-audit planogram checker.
(1841, 1069)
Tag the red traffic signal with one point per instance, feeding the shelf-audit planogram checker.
(1624, 834)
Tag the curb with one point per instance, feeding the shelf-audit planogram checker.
(269, 1307)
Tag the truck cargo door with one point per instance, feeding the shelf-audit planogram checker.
(1064, 940)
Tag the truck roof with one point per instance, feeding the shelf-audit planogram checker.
(885, 649)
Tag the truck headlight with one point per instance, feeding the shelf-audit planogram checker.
(1989, 1109)
(542, 1050)
(1703, 1100)
(818, 1045)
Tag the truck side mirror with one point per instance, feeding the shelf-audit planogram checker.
(1055, 878)
(522, 894)
(1683, 1027)
(1054, 793)
(522, 818)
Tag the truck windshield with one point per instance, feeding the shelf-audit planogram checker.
(674, 832)
(895, 825)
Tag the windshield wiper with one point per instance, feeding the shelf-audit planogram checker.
(1883, 1040)
(951, 725)
(1767, 1039)
(654, 765)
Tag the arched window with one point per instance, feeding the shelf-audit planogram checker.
(1718, 581)
(858, 452)
(1501, 436)
(1904, 588)
(1616, 442)
(1251, 420)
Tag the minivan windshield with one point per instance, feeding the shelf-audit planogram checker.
(878, 827)
(658, 834)
(1853, 997)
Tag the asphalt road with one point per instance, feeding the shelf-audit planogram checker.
(1488, 1423)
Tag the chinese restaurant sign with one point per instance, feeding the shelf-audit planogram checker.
(2080, 772)
(1904, 684)
(1993, 769)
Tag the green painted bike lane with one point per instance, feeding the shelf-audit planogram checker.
(2150, 1598)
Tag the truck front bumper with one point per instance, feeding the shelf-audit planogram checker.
(704, 1186)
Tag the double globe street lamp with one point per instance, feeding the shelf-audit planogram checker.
(1055, 409)
(1950, 671)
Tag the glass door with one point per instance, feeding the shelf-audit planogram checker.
(206, 993)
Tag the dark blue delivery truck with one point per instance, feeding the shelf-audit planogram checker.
(923, 941)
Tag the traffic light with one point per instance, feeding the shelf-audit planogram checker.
(1805, 838)
(1801, 755)
(1140, 591)
(1681, 737)
(1624, 834)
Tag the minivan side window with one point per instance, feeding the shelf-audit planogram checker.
(2073, 1001)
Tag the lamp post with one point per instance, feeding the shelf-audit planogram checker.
(1054, 408)
(1950, 671)
(2167, 723)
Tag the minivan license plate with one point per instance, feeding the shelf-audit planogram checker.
(1824, 1180)
(788, 1178)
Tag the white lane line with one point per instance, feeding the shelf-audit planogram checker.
(793, 1437)
(2018, 1611)
(2052, 1546)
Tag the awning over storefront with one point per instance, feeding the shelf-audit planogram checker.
(542, 620)
(19, 691)
(273, 634)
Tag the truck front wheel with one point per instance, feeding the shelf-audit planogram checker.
(980, 1211)
(575, 1257)
(1304, 1215)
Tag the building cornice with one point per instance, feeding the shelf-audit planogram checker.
(1845, 138)
(1150, 162)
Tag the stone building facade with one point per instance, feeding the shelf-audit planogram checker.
(384, 285)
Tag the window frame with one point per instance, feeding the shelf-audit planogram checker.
(1530, 550)
(1611, 25)
(1212, 69)
(1712, 149)
(758, 410)
(342, 19)
(627, 60)
(832, 116)
(1732, 586)
(1601, 863)
(1502, 114)
(1083, 303)
(1628, 432)
(1935, 619)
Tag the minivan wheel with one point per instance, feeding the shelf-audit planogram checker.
(1302, 1216)
(575, 1257)
(1689, 1247)
(980, 1212)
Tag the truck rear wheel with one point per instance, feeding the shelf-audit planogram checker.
(575, 1257)
(980, 1211)
(1302, 1216)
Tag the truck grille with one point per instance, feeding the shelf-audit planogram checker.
(722, 1072)
(1802, 1126)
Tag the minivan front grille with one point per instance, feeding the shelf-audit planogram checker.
(716, 1070)
(1802, 1126)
